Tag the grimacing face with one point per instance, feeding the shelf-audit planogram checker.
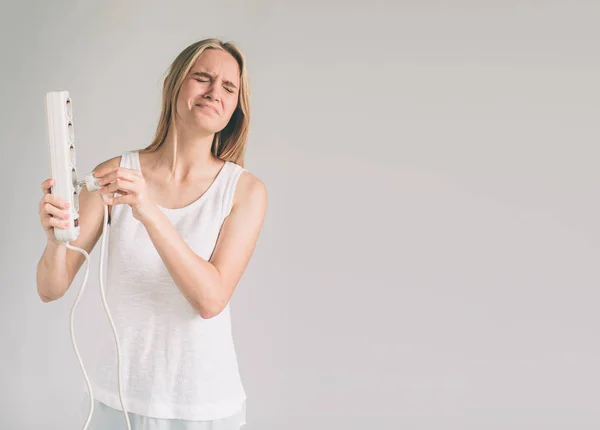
(210, 92)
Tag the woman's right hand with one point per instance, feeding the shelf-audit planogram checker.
(52, 211)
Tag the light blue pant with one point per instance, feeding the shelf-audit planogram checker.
(106, 418)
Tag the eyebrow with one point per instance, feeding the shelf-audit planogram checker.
(212, 76)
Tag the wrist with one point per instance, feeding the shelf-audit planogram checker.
(53, 243)
(151, 216)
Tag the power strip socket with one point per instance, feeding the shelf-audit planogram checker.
(61, 140)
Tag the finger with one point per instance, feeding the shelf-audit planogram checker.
(120, 173)
(119, 186)
(49, 209)
(56, 201)
(47, 185)
(55, 222)
(104, 171)
(109, 169)
(120, 200)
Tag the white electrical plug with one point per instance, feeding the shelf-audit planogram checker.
(91, 182)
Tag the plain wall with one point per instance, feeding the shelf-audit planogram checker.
(429, 258)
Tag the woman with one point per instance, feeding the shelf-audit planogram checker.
(184, 220)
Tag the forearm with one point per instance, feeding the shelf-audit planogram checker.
(198, 280)
(52, 273)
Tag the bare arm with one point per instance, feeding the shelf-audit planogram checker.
(52, 274)
(208, 285)
(59, 265)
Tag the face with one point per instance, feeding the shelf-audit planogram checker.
(210, 92)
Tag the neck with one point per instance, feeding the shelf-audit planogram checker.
(187, 156)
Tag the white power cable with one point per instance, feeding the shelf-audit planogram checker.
(91, 183)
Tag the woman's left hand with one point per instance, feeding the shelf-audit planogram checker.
(132, 187)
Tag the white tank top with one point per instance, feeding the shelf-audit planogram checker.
(175, 364)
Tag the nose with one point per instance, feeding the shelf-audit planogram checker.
(211, 94)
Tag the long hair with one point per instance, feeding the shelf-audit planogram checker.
(228, 144)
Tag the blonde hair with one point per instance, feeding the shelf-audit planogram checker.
(228, 144)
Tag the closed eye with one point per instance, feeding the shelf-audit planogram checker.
(204, 80)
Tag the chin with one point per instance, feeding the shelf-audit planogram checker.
(205, 127)
(205, 124)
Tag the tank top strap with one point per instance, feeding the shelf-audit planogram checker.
(130, 160)
(229, 186)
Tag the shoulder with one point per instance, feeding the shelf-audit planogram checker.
(250, 191)
(113, 163)
(110, 163)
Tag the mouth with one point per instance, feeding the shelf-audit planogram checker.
(204, 106)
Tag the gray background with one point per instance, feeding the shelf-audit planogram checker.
(429, 259)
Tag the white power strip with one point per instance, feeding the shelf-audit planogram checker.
(59, 114)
